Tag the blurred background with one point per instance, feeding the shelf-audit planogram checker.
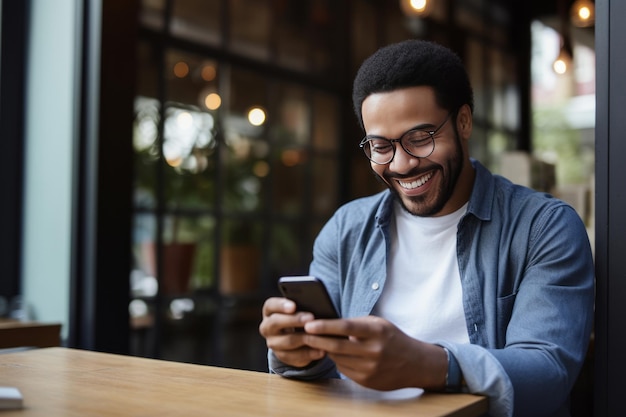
(166, 161)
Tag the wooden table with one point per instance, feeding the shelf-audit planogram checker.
(69, 382)
(16, 333)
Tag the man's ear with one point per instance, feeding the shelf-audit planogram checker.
(464, 122)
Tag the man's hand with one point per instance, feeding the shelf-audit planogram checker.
(375, 353)
(279, 325)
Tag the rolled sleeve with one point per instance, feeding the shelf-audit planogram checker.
(482, 375)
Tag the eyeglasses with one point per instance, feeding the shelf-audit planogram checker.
(416, 142)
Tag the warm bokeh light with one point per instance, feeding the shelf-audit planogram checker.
(181, 69)
(583, 13)
(213, 101)
(174, 161)
(184, 119)
(419, 5)
(560, 66)
(261, 169)
(208, 72)
(290, 157)
(420, 8)
(256, 116)
(562, 62)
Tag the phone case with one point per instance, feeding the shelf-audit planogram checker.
(309, 294)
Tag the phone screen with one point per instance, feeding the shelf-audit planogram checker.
(309, 294)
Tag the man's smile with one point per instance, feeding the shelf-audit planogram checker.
(410, 185)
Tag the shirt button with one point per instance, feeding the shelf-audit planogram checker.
(375, 286)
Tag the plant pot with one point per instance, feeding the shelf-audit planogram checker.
(177, 265)
(239, 270)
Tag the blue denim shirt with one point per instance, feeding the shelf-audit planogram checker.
(528, 291)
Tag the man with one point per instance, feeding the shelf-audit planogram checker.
(453, 279)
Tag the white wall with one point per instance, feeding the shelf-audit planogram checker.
(52, 99)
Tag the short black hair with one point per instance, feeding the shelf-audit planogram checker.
(413, 63)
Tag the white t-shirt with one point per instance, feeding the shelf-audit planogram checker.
(422, 293)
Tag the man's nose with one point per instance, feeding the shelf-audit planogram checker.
(403, 161)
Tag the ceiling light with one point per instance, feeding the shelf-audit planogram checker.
(416, 8)
(563, 62)
(583, 13)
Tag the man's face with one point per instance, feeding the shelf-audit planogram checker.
(435, 185)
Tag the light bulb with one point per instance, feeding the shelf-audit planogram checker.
(256, 116)
(562, 62)
(419, 8)
(583, 13)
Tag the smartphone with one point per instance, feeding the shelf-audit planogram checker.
(309, 294)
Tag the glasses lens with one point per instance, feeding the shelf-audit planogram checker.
(378, 150)
(418, 143)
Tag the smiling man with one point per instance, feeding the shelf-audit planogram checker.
(453, 279)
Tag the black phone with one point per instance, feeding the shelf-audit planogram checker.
(310, 294)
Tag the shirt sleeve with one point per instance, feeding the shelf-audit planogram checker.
(540, 312)
(483, 375)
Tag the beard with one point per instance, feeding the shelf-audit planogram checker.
(426, 205)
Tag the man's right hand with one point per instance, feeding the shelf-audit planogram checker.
(278, 327)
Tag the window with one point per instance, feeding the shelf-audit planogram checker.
(236, 144)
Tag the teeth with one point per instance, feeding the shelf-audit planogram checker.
(417, 183)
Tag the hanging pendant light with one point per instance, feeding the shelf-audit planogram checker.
(416, 8)
(563, 61)
(583, 13)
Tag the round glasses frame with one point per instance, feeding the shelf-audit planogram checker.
(419, 143)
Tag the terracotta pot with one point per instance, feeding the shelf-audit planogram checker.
(239, 273)
(178, 261)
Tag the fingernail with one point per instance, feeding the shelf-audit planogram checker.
(306, 317)
(310, 327)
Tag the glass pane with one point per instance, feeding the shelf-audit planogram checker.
(243, 172)
(326, 122)
(143, 281)
(498, 143)
(151, 14)
(244, 156)
(188, 149)
(240, 257)
(469, 18)
(250, 27)
(363, 19)
(478, 144)
(289, 177)
(291, 37)
(511, 96)
(292, 125)
(146, 147)
(396, 32)
(191, 79)
(496, 71)
(246, 90)
(326, 28)
(197, 20)
(285, 250)
(475, 68)
(188, 260)
(325, 180)
(147, 70)
(290, 136)
(504, 94)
